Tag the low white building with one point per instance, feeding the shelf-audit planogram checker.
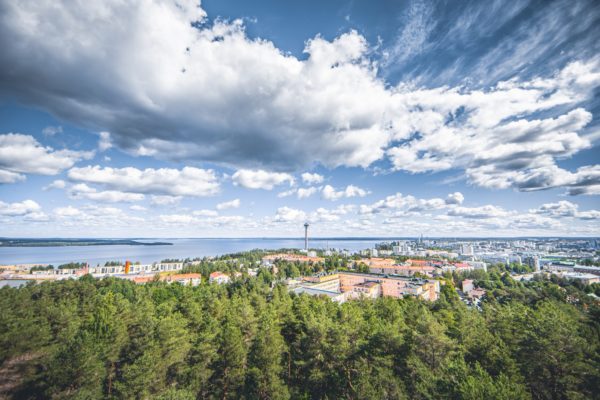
(580, 276)
(477, 265)
(137, 268)
(184, 279)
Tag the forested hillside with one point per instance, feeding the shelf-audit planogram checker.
(92, 339)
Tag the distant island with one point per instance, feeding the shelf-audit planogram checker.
(4, 242)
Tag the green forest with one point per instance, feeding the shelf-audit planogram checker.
(110, 338)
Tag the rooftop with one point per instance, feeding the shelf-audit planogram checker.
(368, 284)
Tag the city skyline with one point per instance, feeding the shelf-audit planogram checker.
(250, 119)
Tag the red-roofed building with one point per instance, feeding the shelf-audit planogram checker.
(379, 262)
(141, 279)
(463, 266)
(421, 263)
(219, 278)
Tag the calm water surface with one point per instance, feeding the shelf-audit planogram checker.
(13, 283)
(181, 248)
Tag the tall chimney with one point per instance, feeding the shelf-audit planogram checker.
(306, 236)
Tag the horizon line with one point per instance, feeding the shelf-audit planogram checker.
(296, 237)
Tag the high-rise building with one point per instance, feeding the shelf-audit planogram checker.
(533, 262)
(536, 263)
(466, 249)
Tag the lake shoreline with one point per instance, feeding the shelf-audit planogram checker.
(76, 242)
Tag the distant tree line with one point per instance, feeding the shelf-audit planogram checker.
(72, 265)
(590, 262)
(41, 268)
(113, 263)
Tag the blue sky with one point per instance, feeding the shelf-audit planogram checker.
(236, 118)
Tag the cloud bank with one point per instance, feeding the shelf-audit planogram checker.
(188, 181)
(167, 82)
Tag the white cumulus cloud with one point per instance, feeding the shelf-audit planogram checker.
(189, 181)
(104, 143)
(329, 193)
(260, 179)
(57, 184)
(312, 179)
(19, 208)
(68, 211)
(274, 111)
(24, 154)
(407, 203)
(455, 198)
(83, 191)
(303, 193)
(287, 214)
(205, 213)
(564, 208)
(487, 211)
(157, 200)
(229, 204)
(10, 177)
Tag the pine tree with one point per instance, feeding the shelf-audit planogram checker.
(265, 362)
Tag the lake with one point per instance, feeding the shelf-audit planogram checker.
(181, 248)
(13, 283)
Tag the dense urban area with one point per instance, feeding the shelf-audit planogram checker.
(420, 319)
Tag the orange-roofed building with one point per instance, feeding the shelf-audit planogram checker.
(378, 262)
(463, 266)
(141, 279)
(219, 277)
(417, 262)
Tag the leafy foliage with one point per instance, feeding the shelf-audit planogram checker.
(253, 339)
